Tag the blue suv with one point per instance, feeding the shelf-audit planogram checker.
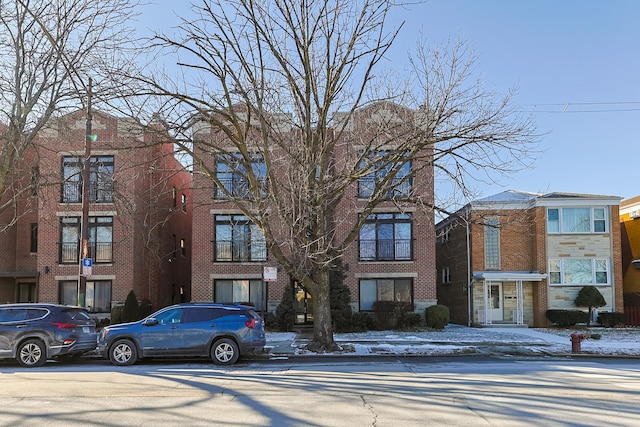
(219, 331)
(31, 333)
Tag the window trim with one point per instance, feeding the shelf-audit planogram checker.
(377, 220)
(395, 281)
(234, 246)
(592, 220)
(594, 271)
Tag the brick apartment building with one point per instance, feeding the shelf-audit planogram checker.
(508, 258)
(393, 258)
(139, 218)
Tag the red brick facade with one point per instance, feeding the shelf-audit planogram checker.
(420, 269)
(145, 208)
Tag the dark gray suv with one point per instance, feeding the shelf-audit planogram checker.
(221, 332)
(32, 333)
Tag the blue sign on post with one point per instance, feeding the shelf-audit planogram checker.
(87, 263)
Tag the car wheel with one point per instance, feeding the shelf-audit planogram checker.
(123, 353)
(32, 354)
(225, 352)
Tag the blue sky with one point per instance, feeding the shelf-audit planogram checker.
(576, 65)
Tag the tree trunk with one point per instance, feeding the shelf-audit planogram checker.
(322, 324)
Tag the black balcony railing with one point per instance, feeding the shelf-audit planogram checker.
(239, 188)
(227, 250)
(72, 193)
(386, 250)
(100, 253)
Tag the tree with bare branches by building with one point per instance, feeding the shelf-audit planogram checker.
(289, 97)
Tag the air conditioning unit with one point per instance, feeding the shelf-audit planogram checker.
(634, 214)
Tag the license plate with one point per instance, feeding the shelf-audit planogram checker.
(86, 329)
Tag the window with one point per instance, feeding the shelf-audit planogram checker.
(183, 248)
(492, 244)
(68, 292)
(233, 176)
(202, 314)
(386, 237)
(241, 291)
(100, 178)
(98, 296)
(444, 235)
(400, 186)
(372, 290)
(175, 197)
(35, 180)
(170, 316)
(100, 239)
(577, 220)
(446, 275)
(238, 240)
(33, 240)
(184, 202)
(579, 271)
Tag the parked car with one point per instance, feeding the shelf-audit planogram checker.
(31, 333)
(222, 332)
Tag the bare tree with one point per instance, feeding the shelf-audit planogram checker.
(48, 50)
(288, 92)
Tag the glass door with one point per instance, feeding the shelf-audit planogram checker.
(303, 305)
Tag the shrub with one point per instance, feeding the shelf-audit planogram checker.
(339, 299)
(412, 320)
(270, 322)
(589, 296)
(361, 322)
(437, 316)
(285, 312)
(567, 317)
(610, 320)
(116, 314)
(390, 314)
(145, 309)
(131, 311)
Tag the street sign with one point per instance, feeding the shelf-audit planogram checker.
(87, 263)
(270, 274)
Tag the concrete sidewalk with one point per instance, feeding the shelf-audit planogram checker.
(455, 340)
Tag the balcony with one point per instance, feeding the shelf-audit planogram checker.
(386, 250)
(100, 253)
(232, 251)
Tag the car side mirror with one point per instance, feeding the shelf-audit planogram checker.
(150, 321)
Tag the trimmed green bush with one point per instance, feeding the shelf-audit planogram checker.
(567, 317)
(116, 314)
(361, 322)
(339, 299)
(131, 311)
(589, 296)
(611, 320)
(437, 316)
(390, 314)
(285, 312)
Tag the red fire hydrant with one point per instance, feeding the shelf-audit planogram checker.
(576, 340)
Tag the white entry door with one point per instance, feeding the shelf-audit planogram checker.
(494, 301)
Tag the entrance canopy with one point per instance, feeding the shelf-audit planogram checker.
(493, 299)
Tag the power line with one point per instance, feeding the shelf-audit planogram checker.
(567, 107)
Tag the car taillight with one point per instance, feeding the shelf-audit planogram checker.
(250, 323)
(64, 325)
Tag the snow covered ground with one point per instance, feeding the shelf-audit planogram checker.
(456, 339)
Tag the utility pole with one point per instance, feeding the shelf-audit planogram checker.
(85, 260)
